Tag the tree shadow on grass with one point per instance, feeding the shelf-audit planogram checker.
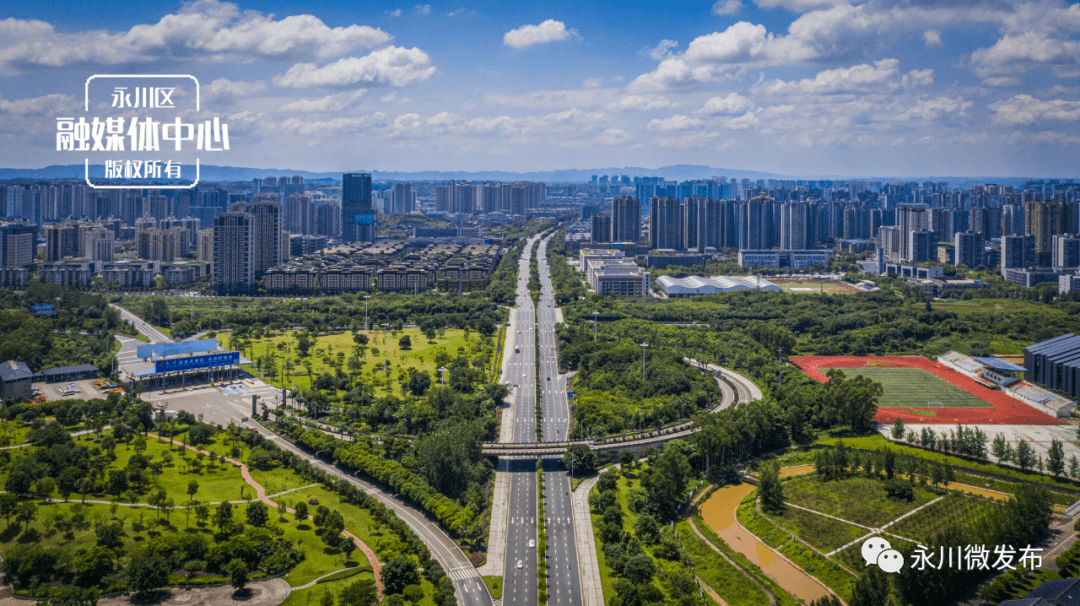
(10, 533)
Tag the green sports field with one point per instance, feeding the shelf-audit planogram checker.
(915, 388)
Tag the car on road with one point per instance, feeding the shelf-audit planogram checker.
(532, 543)
(520, 564)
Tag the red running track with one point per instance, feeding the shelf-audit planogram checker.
(1006, 410)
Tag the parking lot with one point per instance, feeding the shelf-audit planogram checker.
(219, 404)
(86, 388)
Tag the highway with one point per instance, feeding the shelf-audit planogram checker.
(519, 581)
(145, 328)
(564, 587)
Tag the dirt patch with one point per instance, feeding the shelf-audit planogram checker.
(262, 593)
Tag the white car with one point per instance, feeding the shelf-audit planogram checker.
(519, 564)
(532, 543)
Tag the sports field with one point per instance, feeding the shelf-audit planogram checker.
(920, 390)
(911, 387)
(812, 286)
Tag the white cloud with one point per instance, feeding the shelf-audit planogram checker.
(394, 13)
(932, 38)
(329, 128)
(658, 52)
(527, 35)
(460, 11)
(1001, 81)
(204, 29)
(687, 141)
(726, 7)
(742, 122)
(554, 98)
(613, 136)
(1025, 109)
(676, 122)
(423, 9)
(329, 103)
(882, 76)
(733, 103)
(391, 66)
(226, 89)
(591, 82)
(1013, 54)
(799, 6)
(1045, 137)
(40, 106)
(639, 102)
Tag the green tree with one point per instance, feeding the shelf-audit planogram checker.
(639, 569)
(9, 504)
(257, 514)
(1055, 457)
(192, 490)
(665, 480)
(25, 513)
(770, 490)
(398, 574)
(74, 596)
(301, 511)
(202, 512)
(223, 515)
(1025, 455)
(45, 487)
(359, 593)
(237, 570)
(93, 566)
(581, 458)
(146, 573)
(327, 599)
(405, 342)
(898, 429)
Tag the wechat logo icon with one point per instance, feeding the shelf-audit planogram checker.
(877, 550)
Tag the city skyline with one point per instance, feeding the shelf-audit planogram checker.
(793, 87)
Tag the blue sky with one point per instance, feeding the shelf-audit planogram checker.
(800, 87)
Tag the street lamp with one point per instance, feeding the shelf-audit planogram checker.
(594, 314)
(442, 374)
(643, 346)
(366, 297)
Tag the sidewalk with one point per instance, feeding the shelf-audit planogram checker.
(500, 518)
(592, 590)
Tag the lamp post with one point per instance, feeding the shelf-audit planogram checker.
(643, 346)
(366, 297)
(594, 314)
(385, 328)
(442, 374)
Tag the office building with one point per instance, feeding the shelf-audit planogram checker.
(665, 223)
(234, 252)
(269, 249)
(61, 241)
(17, 244)
(403, 201)
(357, 214)
(909, 218)
(328, 219)
(625, 219)
(921, 246)
(1055, 363)
(784, 259)
(1017, 252)
(1066, 251)
(601, 229)
(299, 214)
(968, 247)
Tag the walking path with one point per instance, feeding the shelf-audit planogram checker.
(592, 590)
(261, 493)
(709, 590)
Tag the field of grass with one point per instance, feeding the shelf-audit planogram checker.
(729, 582)
(907, 387)
(825, 534)
(494, 585)
(340, 351)
(804, 287)
(876, 441)
(757, 524)
(924, 525)
(824, 570)
(783, 598)
(221, 483)
(856, 499)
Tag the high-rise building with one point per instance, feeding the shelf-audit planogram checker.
(1017, 252)
(357, 214)
(464, 200)
(921, 246)
(204, 251)
(689, 221)
(299, 214)
(234, 252)
(665, 223)
(17, 244)
(403, 201)
(1066, 251)
(601, 229)
(61, 240)
(489, 198)
(98, 244)
(625, 219)
(444, 198)
(794, 220)
(328, 219)
(967, 249)
(269, 249)
(1045, 219)
(909, 218)
(710, 224)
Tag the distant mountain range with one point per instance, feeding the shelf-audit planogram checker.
(677, 172)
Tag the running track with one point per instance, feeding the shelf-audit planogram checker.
(1006, 410)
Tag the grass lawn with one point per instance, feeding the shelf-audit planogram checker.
(924, 525)
(336, 350)
(753, 521)
(876, 441)
(494, 585)
(278, 480)
(783, 598)
(821, 568)
(856, 499)
(914, 387)
(728, 581)
(825, 534)
(312, 596)
(220, 484)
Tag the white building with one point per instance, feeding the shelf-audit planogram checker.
(696, 285)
